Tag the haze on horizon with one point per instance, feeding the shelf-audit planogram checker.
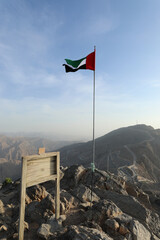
(37, 95)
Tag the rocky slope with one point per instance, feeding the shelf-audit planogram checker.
(132, 152)
(119, 210)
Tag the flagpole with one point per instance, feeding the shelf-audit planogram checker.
(93, 145)
(93, 161)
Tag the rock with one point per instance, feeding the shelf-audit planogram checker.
(124, 203)
(83, 193)
(123, 218)
(1, 207)
(34, 212)
(111, 224)
(153, 222)
(123, 230)
(130, 188)
(101, 211)
(154, 237)
(48, 203)
(72, 176)
(3, 228)
(44, 231)
(56, 224)
(84, 233)
(68, 201)
(37, 193)
(139, 231)
(48, 229)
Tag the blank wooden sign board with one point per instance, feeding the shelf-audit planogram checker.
(38, 169)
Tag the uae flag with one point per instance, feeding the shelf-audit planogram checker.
(83, 63)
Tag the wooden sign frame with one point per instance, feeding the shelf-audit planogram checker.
(38, 169)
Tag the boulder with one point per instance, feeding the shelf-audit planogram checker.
(126, 203)
(83, 193)
(153, 223)
(101, 211)
(37, 193)
(72, 176)
(123, 218)
(44, 231)
(34, 212)
(123, 230)
(69, 200)
(48, 229)
(139, 232)
(111, 225)
(48, 203)
(83, 233)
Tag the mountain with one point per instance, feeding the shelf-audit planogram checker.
(119, 210)
(13, 148)
(132, 152)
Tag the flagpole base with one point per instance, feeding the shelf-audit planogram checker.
(93, 167)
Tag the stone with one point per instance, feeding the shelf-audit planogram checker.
(3, 228)
(112, 224)
(128, 204)
(72, 176)
(83, 193)
(37, 193)
(83, 233)
(48, 229)
(130, 188)
(143, 197)
(48, 203)
(44, 231)
(139, 231)
(154, 237)
(1, 207)
(34, 211)
(69, 200)
(101, 211)
(123, 230)
(123, 218)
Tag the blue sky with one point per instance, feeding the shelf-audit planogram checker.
(37, 95)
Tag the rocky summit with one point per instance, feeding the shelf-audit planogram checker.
(119, 209)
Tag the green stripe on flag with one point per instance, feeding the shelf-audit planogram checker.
(76, 63)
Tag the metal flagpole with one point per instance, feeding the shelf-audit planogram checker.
(93, 146)
(93, 163)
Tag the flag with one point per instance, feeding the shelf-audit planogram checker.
(83, 63)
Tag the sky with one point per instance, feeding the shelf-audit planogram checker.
(36, 94)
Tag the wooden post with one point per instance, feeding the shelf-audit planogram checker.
(41, 150)
(22, 203)
(57, 197)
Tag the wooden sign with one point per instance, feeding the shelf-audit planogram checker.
(38, 169)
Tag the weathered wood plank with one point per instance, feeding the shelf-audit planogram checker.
(31, 157)
(22, 205)
(41, 168)
(41, 180)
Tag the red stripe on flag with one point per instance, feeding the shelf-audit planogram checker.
(90, 61)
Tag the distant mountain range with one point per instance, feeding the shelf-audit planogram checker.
(13, 148)
(132, 152)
